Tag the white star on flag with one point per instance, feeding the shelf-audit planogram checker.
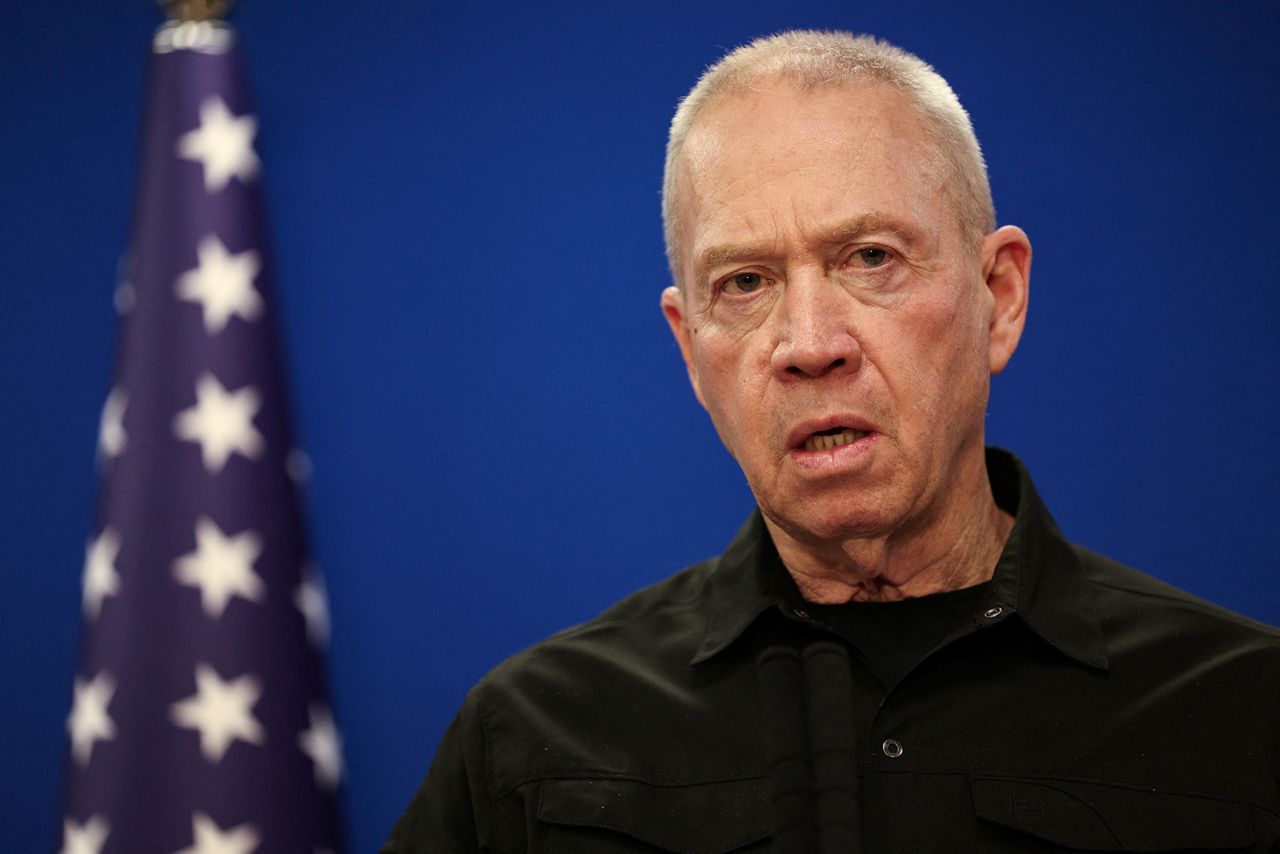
(223, 144)
(86, 838)
(221, 422)
(222, 283)
(323, 744)
(221, 567)
(208, 838)
(220, 711)
(89, 721)
(100, 578)
(111, 436)
(314, 604)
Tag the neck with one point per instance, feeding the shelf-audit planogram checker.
(960, 548)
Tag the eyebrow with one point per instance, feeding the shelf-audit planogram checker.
(868, 223)
(838, 233)
(732, 253)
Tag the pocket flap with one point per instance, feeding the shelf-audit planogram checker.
(1099, 817)
(705, 818)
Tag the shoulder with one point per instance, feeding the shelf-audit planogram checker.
(679, 592)
(665, 618)
(1124, 583)
(598, 698)
(1138, 610)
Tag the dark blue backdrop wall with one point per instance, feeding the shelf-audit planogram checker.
(465, 198)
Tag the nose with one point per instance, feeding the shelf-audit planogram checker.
(815, 335)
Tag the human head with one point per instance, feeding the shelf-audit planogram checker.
(809, 59)
(839, 316)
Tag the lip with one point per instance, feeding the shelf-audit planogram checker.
(830, 459)
(797, 435)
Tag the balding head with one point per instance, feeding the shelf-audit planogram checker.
(808, 60)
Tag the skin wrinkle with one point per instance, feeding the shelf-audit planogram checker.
(907, 345)
(702, 146)
(938, 182)
(861, 228)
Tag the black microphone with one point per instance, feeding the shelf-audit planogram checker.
(782, 696)
(832, 748)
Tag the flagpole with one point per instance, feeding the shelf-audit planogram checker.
(196, 10)
(198, 25)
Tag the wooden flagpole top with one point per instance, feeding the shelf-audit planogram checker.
(196, 10)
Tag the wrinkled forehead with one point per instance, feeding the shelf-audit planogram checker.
(866, 137)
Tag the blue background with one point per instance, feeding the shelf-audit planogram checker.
(465, 200)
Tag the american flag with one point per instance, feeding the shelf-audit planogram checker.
(199, 721)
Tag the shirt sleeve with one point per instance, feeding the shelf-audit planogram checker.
(448, 812)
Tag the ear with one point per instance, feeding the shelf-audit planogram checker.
(673, 307)
(1006, 269)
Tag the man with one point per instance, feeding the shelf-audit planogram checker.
(842, 299)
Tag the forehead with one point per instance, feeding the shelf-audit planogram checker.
(847, 110)
(775, 151)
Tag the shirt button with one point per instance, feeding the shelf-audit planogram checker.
(992, 613)
(800, 613)
(891, 748)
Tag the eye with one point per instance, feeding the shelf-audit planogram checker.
(872, 256)
(743, 283)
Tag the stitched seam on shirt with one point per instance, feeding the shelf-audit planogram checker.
(1022, 573)
(1092, 781)
(489, 776)
(1047, 783)
(590, 625)
(1109, 784)
(632, 778)
(697, 601)
(1204, 609)
(494, 828)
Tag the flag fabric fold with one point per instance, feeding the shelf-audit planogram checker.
(199, 719)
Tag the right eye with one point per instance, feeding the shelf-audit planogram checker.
(743, 283)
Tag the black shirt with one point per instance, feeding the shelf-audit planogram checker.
(1080, 705)
(893, 637)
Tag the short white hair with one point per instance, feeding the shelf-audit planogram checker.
(809, 59)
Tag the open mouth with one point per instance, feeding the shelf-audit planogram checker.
(825, 440)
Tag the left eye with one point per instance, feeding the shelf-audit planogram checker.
(745, 283)
(872, 256)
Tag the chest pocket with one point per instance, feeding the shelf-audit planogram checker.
(1097, 817)
(597, 816)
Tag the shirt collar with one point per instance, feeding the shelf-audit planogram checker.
(1038, 579)
(748, 579)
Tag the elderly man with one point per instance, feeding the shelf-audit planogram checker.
(899, 650)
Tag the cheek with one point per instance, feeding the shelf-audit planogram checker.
(933, 357)
(712, 363)
(731, 376)
(727, 344)
(962, 368)
(955, 326)
(739, 325)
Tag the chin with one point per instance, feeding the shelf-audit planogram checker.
(837, 521)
